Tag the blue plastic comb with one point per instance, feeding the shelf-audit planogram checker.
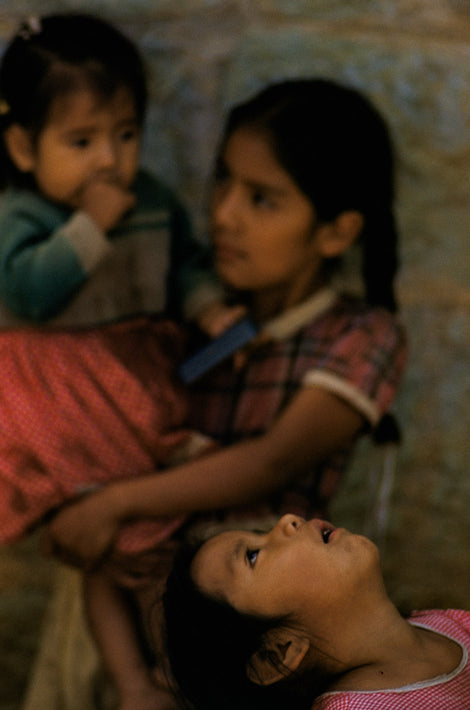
(217, 350)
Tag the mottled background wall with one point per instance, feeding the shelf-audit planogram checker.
(412, 57)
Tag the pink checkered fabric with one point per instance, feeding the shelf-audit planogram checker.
(82, 407)
(448, 692)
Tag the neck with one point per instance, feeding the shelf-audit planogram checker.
(392, 653)
(270, 302)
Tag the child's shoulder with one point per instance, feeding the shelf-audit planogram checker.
(27, 203)
(352, 312)
(445, 621)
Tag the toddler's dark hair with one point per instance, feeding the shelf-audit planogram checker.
(57, 54)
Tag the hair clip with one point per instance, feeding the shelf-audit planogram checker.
(30, 27)
(4, 107)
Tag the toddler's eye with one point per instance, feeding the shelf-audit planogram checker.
(80, 142)
(251, 556)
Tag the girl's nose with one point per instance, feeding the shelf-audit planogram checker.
(288, 525)
(225, 207)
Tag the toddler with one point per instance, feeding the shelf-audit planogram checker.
(92, 249)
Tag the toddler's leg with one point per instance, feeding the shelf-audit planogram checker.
(112, 625)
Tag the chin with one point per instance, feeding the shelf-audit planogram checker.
(224, 272)
(367, 542)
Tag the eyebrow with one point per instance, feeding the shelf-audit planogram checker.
(222, 163)
(265, 187)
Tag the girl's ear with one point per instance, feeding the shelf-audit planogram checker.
(20, 147)
(282, 653)
(334, 238)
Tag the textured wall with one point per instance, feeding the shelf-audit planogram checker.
(412, 58)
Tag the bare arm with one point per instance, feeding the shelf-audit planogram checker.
(314, 425)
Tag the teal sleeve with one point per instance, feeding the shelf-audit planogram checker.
(40, 268)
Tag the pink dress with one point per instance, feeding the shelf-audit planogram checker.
(445, 692)
(81, 407)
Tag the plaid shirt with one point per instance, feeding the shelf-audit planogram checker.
(446, 692)
(352, 350)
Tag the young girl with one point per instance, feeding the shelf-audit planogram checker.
(299, 618)
(304, 172)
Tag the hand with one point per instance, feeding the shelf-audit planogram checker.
(241, 356)
(82, 532)
(217, 318)
(106, 202)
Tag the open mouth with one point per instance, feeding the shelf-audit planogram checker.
(325, 529)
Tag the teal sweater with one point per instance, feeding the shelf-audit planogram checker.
(56, 264)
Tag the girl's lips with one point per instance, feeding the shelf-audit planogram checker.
(325, 529)
(225, 252)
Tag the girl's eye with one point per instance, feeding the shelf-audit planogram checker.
(251, 556)
(261, 199)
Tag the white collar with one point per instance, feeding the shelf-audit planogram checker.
(295, 318)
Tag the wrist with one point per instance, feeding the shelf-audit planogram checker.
(97, 219)
(115, 501)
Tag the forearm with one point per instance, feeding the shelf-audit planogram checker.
(237, 475)
(38, 276)
(82, 532)
(311, 428)
(245, 472)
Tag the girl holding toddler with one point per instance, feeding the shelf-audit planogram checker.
(304, 175)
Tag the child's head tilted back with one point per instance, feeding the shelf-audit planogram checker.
(53, 57)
